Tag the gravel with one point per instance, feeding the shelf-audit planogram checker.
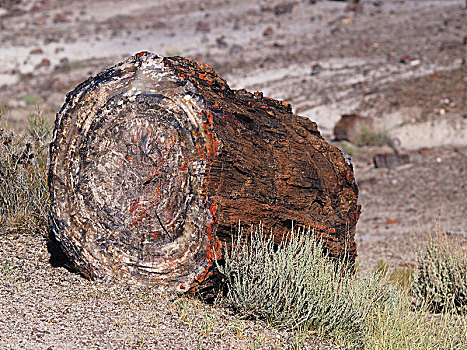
(45, 307)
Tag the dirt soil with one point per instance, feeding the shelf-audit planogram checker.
(402, 63)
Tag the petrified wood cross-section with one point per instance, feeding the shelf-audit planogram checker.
(155, 161)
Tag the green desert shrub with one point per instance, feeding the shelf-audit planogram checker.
(294, 285)
(24, 196)
(441, 276)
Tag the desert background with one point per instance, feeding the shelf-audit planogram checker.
(402, 64)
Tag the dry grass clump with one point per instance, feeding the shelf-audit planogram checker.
(401, 275)
(400, 325)
(441, 277)
(296, 286)
(24, 195)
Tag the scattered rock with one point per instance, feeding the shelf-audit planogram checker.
(60, 18)
(40, 21)
(9, 3)
(406, 59)
(45, 62)
(203, 27)
(390, 160)
(392, 221)
(355, 6)
(280, 9)
(220, 41)
(316, 69)
(268, 31)
(350, 126)
(37, 51)
(63, 66)
(283, 8)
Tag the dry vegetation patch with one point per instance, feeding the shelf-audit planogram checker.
(296, 286)
(24, 193)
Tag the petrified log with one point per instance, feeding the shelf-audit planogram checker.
(155, 161)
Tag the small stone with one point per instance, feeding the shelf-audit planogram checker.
(268, 31)
(40, 21)
(316, 69)
(203, 27)
(283, 8)
(349, 127)
(354, 6)
(405, 59)
(220, 41)
(37, 51)
(45, 62)
(390, 160)
(60, 18)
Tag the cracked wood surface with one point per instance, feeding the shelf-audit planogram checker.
(155, 161)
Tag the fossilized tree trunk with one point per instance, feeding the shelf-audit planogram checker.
(155, 160)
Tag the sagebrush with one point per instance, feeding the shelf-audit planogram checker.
(24, 195)
(441, 276)
(294, 285)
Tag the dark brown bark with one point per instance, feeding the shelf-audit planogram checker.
(156, 160)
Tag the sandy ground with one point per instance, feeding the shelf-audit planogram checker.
(402, 63)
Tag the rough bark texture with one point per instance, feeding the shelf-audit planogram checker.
(155, 161)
